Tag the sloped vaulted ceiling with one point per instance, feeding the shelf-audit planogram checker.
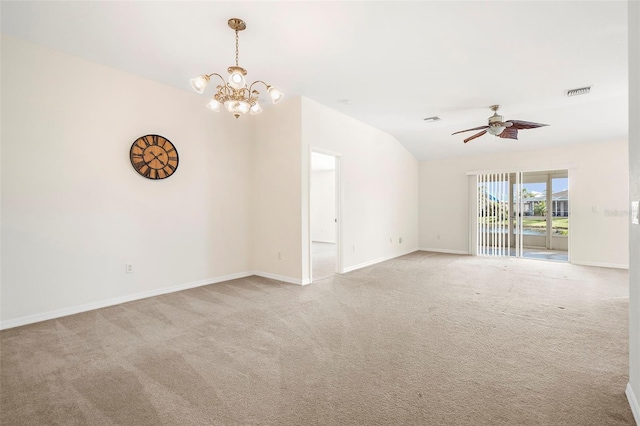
(395, 62)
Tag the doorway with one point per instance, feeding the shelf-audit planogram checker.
(523, 214)
(323, 196)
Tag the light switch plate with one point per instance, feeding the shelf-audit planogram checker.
(634, 212)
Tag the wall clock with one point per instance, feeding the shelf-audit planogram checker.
(154, 157)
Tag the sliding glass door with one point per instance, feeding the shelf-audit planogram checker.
(523, 214)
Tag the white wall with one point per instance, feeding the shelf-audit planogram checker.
(323, 206)
(74, 211)
(379, 189)
(598, 182)
(277, 192)
(379, 186)
(633, 390)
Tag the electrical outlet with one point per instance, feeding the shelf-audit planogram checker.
(400, 240)
(128, 268)
(279, 255)
(354, 248)
(438, 236)
(390, 240)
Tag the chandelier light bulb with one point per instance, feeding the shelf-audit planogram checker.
(199, 83)
(236, 80)
(256, 108)
(214, 105)
(275, 94)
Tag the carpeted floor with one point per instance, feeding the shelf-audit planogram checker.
(424, 339)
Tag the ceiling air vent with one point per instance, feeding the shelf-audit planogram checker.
(579, 91)
(432, 119)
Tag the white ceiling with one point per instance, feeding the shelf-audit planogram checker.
(397, 62)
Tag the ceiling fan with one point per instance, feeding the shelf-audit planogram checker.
(497, 127)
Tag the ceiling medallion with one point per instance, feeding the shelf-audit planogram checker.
(234, 94)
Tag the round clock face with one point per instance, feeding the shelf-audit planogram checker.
(154, 157)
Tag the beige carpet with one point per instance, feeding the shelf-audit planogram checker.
(425, 339)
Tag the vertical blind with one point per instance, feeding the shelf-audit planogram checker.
(499, 214)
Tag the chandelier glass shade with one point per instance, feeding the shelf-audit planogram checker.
(233, 93)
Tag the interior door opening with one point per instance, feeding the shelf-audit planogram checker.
(323, 215)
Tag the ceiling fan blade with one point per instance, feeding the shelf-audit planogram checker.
(519, 124)
(477, 135)
(468, 130)
(509, 133)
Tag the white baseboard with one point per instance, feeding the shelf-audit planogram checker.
(281, 278)
(633, 403)
(373, 262)
(58, 313)
(601, 264)
(440, 250)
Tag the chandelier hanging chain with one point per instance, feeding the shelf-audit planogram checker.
(237, 38)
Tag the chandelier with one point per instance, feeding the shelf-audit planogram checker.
(234, 94)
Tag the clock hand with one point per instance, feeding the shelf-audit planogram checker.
(155, 157)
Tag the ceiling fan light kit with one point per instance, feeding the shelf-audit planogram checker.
(498, 127)
(233, 93)
(496, 122)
